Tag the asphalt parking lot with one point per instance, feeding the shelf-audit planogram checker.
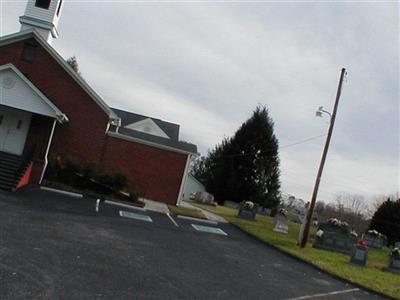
(54, 246)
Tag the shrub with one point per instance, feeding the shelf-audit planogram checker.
(88, 177)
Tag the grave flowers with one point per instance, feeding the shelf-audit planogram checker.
(375, 239)
(394, 265)
(359, 253)
(247, 210)
(335, 235)
(280, 223)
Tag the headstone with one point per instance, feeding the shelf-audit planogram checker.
(247, 211)
(264, 211)
(359, 255)
(374, 241)
(281, 223)
(335, 238)
(394, 265)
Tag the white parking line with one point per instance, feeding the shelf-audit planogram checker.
(198, 220)
(325, 294)
(124, 205)
(131, 215)
(172, 220)
(209, 229)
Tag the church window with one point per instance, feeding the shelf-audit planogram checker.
(42, 4)
(29, 52)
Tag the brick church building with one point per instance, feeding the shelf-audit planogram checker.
(47, 109)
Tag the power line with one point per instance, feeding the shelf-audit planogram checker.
(303, 141)
(279, 148)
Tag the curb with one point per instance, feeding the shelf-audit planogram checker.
(110, 202)
(208, 210)
(197, 219)
(300, 259)
(72, 194)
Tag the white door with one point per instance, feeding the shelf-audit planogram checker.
(14, 126)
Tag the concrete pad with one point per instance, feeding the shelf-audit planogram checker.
(209, 215)
(156, 206)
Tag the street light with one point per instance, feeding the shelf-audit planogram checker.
(321, 110)
(323, 158)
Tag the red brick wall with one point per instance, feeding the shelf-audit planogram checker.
(83, 136)
(156, 174)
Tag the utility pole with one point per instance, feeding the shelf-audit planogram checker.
(322, 163)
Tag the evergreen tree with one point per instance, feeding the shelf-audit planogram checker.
(246, 166)
(386, 220)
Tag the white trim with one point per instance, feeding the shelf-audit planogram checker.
(22, 35)
(46, 161)
(147, 143)
(124, 205)
(198, 220)
(72, 194)
(172, 220)
(150, 122)
(60, 115)
(184, 177)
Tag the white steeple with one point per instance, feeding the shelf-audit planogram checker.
(43, 16)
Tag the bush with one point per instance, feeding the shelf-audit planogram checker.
(89, 177)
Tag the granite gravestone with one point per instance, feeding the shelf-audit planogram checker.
(374, 240)
(359, 255)
(281, 222)
(335, 238)
(394, 264)
(247, 210)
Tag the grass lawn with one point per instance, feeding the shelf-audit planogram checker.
(184, 211)
(371, 276)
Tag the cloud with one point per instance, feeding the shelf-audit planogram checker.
(207, 66)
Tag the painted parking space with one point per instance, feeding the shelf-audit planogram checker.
(135, 216)
(56, 237)
(209, 229)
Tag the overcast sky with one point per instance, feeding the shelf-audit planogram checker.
(206, 66)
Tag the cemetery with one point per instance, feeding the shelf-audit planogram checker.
(375, 239)
(280, 223)
(359, 263)
(336, 236)
(394, 265)
(247, 210)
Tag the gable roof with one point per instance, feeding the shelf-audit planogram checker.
(128, 118)
(148, 126)
(31, 33)
(45, 107)
(171, 129)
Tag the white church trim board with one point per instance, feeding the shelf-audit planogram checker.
(148, 126)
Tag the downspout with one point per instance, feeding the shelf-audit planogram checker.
(184, 177)
(47, 150)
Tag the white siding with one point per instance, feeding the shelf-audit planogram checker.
(48, 15)
(15, 92)
(192, 185)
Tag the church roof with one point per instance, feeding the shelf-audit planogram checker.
(127, 118)
(171, 129)
(31, 33)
